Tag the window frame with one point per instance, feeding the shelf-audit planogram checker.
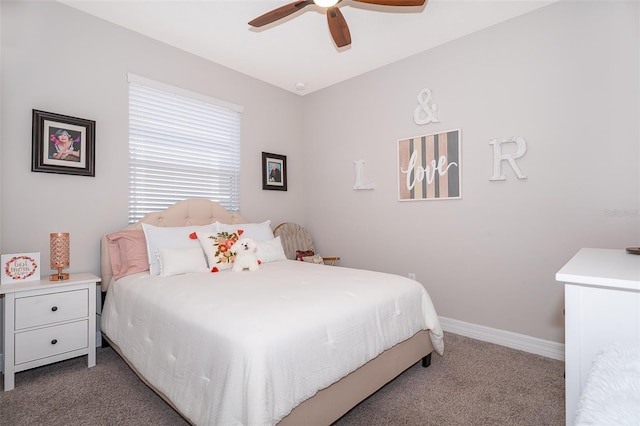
(157, 160)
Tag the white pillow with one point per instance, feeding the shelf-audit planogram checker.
(181, 261)
(270, 251)
(255, 231)
(170, 237)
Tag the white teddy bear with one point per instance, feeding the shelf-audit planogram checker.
(245, 250)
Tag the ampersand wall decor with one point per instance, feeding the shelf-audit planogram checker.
(425, 113)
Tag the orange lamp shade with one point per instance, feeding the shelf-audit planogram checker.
(59, 254)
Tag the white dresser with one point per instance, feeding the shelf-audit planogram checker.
(602, 307)
(48, 321)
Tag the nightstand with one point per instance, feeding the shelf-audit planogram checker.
(48, 321)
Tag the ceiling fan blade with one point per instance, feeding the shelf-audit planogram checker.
(279, 13)
(394, 2)
(338, 27)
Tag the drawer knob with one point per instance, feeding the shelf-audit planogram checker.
(54, 341)
(54, 308)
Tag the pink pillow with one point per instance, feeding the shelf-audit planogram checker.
(127, 253)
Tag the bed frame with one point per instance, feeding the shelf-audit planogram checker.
(329, 404)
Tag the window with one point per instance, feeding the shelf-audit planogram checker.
(181, 145)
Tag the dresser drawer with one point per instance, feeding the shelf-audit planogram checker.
(51, 308)
(49, 341)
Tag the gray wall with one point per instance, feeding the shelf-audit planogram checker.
(565, 78)
(81, 70)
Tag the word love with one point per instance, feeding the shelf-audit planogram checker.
(421, 173)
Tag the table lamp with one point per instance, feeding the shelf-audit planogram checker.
(59, 248)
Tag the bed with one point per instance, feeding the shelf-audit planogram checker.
(292, 343)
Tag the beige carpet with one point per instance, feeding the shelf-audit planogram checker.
(474, 383)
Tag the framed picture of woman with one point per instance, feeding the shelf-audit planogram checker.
(62, 144)
(274, 171)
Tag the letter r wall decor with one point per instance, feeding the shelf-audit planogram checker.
(429, 167)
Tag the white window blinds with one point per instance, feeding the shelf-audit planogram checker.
(181, 145)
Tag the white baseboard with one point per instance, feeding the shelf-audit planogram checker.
(509, 339)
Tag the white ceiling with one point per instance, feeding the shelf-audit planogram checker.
(299, 49)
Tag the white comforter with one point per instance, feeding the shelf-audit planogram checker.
(246, 348)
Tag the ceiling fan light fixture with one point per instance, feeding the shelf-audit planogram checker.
(326, 3)
(337, 24)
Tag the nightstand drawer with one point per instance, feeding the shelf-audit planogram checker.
(49, 341)
(51, 308)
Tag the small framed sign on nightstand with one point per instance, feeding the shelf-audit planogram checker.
(20, 267)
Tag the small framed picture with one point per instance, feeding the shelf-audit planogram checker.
(274, 171)
(20, 267)
(62, 144)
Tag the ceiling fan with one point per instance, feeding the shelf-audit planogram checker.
(337, 24)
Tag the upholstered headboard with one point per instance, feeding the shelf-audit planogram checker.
(195, 211)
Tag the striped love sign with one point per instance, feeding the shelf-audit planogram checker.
(429, 167)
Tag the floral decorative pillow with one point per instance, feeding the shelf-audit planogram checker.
(216, 246)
